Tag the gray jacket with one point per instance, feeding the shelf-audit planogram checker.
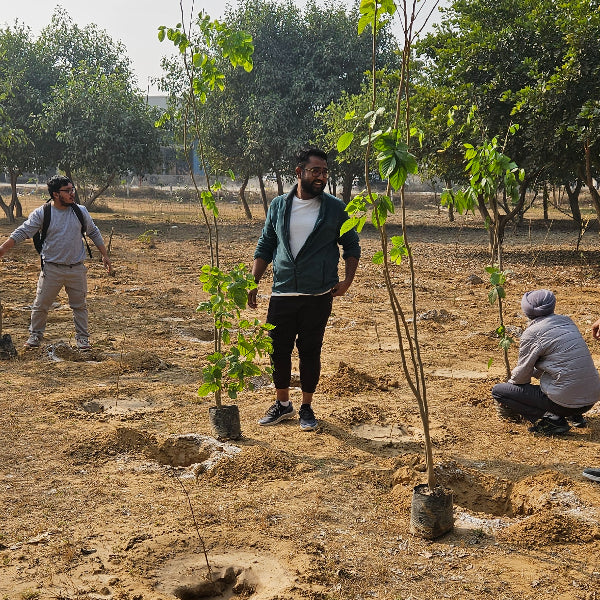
(553, 350)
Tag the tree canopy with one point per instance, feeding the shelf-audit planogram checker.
(70, 101)
(531, 62)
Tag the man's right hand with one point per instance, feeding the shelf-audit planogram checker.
(596, 329)
(252, 294)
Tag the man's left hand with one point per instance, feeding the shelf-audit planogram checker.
(107, 264)
(340, 288)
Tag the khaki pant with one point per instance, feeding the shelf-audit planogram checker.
(52, 278)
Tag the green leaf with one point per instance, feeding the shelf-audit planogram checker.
(349, 224)
(344, 141)
(207, 388)
(378, 258)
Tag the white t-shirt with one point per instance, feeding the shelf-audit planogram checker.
(302, 222)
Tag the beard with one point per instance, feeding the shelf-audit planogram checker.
(312, 186)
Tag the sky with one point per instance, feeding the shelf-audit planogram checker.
(133, 22)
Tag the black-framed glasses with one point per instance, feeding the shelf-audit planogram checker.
(318, 172)
(68, 190)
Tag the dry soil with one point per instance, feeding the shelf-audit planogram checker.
(111, 485)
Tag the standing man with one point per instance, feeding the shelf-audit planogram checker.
(62, 256)
(301, 237)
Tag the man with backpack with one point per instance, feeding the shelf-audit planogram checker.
(58, 228)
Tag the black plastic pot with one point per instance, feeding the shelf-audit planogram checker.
(225, 421)
(431, 512)
(7, 348)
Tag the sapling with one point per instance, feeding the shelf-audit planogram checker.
(238, 342)
(204, 45)
(497, 294)
(395, 163)
(497, 190)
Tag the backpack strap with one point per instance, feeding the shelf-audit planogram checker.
(40, 236)
(79, 214)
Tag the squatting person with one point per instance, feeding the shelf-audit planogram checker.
(62, 256)
(301, 237)
(552, 350)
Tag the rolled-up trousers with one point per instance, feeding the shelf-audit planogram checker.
(298, 320)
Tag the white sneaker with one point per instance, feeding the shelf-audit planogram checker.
(83, 343)
(34, 340)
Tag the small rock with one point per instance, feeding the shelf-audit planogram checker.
(474, 280)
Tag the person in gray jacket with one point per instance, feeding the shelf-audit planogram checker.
(301, 238)
(552, 350)
(63, 253)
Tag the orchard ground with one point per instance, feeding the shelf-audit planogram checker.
(97, 448)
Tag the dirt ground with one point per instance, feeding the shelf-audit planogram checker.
(110, 481)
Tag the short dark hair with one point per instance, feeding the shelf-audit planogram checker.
(303, 157)
(56, 182)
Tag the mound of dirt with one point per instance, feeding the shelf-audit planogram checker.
(538, 492)
(547, 528)
(63, 351)
(364, 413)
(140, 360)
(349, 381)
(254, 462)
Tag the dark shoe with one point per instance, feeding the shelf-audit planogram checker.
(548, 426)
(507, 414)
(593, 474)
(578, 421)
(307, 418)
(277, 413)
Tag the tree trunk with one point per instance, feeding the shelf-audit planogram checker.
(332, 184)
(100, 191)
(347, 180)
(242, 196)
(7, 210)
(15, 203)
(68, 173)
(589, 180)
(263, 194)
(545, 200)
(573, 196)
(279, 183)
(489, 221)
(450, 206)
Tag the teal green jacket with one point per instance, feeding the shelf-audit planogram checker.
(315, 269)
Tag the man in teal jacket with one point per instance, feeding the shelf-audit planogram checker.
(301, 237)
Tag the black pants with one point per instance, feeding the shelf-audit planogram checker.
(529, 400)
(299, 320)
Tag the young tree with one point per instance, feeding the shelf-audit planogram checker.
(202, 45)
(395, 162)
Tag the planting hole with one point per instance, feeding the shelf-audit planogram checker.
(239, 574)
